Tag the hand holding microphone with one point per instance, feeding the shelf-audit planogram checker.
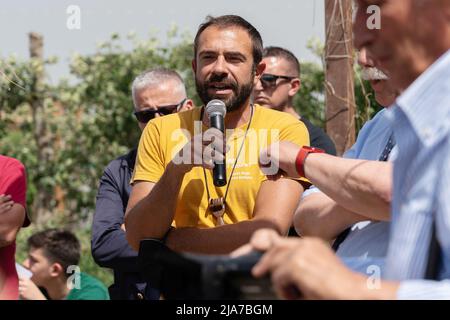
(216, 110)
(208, 148)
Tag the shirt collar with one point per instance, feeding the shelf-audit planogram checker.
(426, 102)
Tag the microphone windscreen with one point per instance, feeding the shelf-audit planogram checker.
(216, 107)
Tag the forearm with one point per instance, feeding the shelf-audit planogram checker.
(8, 232)
(218, 240)
(319, 216)
(11, 222)
(357, 185)
(110, 249)
(152, 216)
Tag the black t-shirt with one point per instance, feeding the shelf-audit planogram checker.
(318, 138)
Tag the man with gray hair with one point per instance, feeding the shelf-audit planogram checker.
(156, 92)
(333, 209)
(417, 263)
(360, 241)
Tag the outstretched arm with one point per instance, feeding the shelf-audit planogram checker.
(320, 216)
(357, 185)
(308, 269)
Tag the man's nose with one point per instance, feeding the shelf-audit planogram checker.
(219, 67)
(26, 263)
(364, 60)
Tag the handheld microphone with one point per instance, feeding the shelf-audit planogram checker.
(216, 111)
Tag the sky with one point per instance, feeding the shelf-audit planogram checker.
(285, 23)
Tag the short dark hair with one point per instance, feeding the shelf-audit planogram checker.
(285, 54)
(59, 246)
(233, 21)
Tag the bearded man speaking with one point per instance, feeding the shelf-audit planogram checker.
(173, 197)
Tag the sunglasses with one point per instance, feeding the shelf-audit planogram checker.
(145, 116)
(270, 80)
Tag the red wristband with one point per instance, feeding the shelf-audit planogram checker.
(301, 157)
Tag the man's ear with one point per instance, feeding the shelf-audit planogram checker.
(295, 86)
(194, 66)
(188, 105)
(259, 71)
(56, 269)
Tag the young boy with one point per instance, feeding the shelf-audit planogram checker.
(53, 256)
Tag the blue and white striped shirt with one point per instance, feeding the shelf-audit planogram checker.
(366, 245)
(421, 189)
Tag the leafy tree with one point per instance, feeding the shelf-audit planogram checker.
(89, 122)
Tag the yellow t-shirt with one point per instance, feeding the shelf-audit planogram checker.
(163, 137)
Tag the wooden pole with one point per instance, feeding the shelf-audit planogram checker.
(339, 81)
(41, 200)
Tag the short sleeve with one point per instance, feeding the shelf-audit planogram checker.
(297, 133)
(14, 183)
(149, 160)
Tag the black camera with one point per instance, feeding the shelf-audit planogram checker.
(197, 276)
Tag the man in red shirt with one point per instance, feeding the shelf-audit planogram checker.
(13, 187)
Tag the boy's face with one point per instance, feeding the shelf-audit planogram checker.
(42, 268)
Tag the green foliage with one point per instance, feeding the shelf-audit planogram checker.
(309, 100)
(89, 122)
(16, 82)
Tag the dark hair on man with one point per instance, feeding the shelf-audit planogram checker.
(59, 246)
(285, 54)
(233, 21)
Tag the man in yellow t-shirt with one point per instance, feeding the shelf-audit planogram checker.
(173, 183)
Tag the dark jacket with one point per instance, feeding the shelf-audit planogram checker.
(109, 245)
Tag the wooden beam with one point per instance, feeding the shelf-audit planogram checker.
(42, 198)
(339, 81)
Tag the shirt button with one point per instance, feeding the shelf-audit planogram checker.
(140, 296)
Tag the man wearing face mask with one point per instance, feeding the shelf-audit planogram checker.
(156, 92)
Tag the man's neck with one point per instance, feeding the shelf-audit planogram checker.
(290, 109)
(238, 117)
(58, 289)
